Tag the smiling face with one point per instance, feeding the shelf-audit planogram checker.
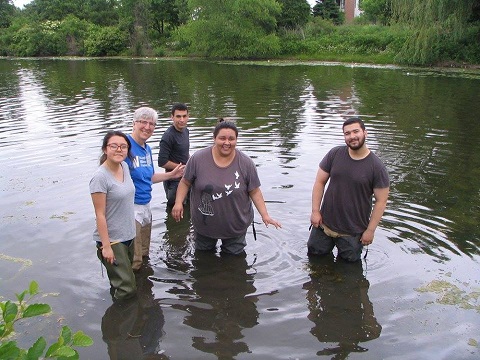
(225, 142)
(143, 129)
(354, 136)
(116, 149)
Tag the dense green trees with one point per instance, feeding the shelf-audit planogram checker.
(294, 14)
(442, 30)
(329, 9)
(166, 13)
(420, 32)
(377, 11)
(7, 10)
(235, 29)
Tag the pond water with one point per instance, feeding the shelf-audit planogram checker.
(415, 296)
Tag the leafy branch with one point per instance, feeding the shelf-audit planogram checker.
(13, 311)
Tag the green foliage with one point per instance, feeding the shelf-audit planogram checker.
(47, 38)
(99, 12)
(237, 29)
(7, 12)
(295, 13)
(73, 32)
(42, 10)
(377, 11)
(13, 311)
(37, 39)
(329, 9)
(232, 42)
(438, 27)
(105, 41)
(362, 41)
(319, 26)
(419, 32)
(164, 13)
(291, 42)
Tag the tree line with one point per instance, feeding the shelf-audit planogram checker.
(416, 32)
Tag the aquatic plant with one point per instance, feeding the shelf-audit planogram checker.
(13, 311)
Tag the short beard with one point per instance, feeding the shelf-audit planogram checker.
(356, 147)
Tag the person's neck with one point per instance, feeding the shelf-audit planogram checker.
(359, 154)
(137, 140)
(115, 169)
(112, 166)
(220, 160)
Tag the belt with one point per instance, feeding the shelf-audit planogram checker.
(331, 233)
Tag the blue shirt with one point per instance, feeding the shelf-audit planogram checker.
(141, 170)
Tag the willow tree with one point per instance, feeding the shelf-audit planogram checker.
(441, 29)
(233, 29)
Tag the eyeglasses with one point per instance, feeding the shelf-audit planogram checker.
(145, 123)
(115, 147)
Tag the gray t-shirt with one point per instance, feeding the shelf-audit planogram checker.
(220, 204)
(119, 207)
(347, 202)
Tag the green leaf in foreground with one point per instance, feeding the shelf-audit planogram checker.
(9, 350)
(21, 296)
(64, 351)
(36, 310)
(51, 350)
(10, 312)
(37, 349)
(82, 339)
(66, 334)
(33, 288)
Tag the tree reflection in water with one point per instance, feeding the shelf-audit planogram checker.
(339, 306)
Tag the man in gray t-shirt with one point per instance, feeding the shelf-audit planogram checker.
(346, 218)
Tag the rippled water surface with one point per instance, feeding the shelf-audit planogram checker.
(415, 296)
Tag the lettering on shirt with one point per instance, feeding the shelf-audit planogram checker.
(140, 161)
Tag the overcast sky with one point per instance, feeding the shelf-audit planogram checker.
(20, 3)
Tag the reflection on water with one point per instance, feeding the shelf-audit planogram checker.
(177, 242)
(340, 309)
(132, 329)
(54, 113)
(222, 308)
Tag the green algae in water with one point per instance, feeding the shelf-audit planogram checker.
(64, 216)
(451, 294)
(25, 262)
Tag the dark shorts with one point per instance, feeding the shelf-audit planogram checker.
(349, 247)
(235, 245)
